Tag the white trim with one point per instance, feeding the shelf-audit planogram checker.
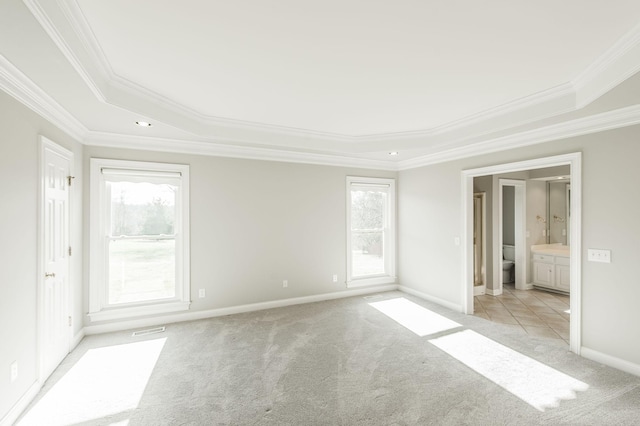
(453, 306)
(494, 292)
(212, 313)
(611, 361)
(22, 404)
(364, 282)
(613, 67)
(622, 117)
(158, 308)
(575, 161)
(23, 89)
(110, 140)
(99, 309)
(53, 32)
(77, 338)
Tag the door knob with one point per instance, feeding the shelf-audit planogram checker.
(50, 275)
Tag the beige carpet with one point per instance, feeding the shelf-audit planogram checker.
(391, 359)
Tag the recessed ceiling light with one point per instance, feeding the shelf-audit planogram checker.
(393, 153)
(143, 124)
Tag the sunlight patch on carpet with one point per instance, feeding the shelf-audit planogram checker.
(533, 382)
(416, 318)
(104, 382)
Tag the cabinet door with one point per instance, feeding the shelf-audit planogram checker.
(543, 273)
(563, 277)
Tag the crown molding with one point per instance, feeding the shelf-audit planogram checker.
(112, 140)
(614, 66)
(611, 68)
(609, 120)
(16, 84)
(52, 31)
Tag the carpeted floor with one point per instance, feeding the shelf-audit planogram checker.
(341, 362)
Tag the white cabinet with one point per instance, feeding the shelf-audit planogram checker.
(552, 272)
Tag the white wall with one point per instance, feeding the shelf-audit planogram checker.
(430, 217)
(19, 170)
(257, 223)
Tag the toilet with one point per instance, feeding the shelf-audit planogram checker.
(508, 263)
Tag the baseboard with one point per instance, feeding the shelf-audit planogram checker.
(21, 405)
(494, 291)
(610, 361)
(437, 300)
(77, 339)
(211, 313)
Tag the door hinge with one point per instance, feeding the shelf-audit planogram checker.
(69, 321)
(69, 251)
(69, 179)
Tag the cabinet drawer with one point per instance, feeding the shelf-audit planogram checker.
(543, 258)
(562, 260)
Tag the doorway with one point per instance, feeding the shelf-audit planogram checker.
(517, 236)
(54, 323)
(574, 161)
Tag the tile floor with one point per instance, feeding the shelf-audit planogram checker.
(536, 312)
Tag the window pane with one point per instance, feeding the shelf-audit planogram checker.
(367, 208)
(367, 253)
(142, 208)
(141, 269)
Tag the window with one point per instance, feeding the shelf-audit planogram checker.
(139, 239)
(371, 231)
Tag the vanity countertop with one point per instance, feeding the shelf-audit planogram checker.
(551, 249)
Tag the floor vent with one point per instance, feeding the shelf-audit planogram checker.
(149, 331)
(373, 297)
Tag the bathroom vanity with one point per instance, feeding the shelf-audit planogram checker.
(550, 264)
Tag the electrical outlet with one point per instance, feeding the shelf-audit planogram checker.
(335, 278)
(595, 255)
(201, 293)
(285, 284)
(14, 371)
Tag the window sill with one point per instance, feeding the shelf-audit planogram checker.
(363, 282)
(138, 311)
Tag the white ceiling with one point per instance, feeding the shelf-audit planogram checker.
(349, 79)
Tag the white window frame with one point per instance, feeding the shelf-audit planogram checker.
(389, 233)
(99, 308)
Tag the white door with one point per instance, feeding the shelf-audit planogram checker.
(54, 310)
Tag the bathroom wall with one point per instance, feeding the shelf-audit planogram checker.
(508, 215)
(536, 206)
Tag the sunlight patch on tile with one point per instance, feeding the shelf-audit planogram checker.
(104, 382)
(416, 318)
(533, 382)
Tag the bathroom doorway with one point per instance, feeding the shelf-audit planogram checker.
(574, 161)
(512, 199)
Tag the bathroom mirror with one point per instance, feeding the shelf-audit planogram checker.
(558, 202)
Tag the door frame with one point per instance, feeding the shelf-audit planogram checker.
(520, 216)
(48, 145)
(574, 160)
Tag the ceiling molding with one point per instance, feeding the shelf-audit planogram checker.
(609, 120)
(179, 146)
(611, 68)
(614, 66)
(16, 84)
(50, 28)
